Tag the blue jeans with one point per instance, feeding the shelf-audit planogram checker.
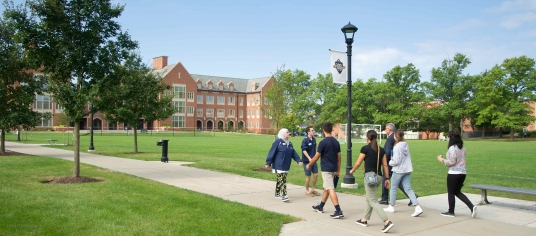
(405, 179)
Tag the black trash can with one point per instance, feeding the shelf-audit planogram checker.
(164, 144)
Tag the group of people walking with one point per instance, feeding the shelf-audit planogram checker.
(394, 158)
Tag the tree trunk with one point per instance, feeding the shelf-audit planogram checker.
(3, 142)
(450, 126)
(512, 130)
(76, 145)
(483, 132)
(427, 135)
(135, 139)
(500, 132)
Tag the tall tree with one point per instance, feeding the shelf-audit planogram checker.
(77, 43)
(451, 87)
(134, 92)
(322, 91)
(519, 83)
(18, 87)
(402, 95)
(487, 100)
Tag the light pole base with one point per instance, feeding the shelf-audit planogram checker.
(343, 185)
(91, 150)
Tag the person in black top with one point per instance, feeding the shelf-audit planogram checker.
(330, 151)
(369, 154)
(308, 147)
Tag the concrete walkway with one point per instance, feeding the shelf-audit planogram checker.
(503, 217)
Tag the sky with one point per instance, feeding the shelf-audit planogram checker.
(252, 39)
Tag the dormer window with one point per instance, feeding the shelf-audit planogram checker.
(221, 86)
(198, 85)
(209, 86)
(231, 88)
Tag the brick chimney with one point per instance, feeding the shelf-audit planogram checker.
(159, 62)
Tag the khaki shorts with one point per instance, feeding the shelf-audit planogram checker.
(327, 177)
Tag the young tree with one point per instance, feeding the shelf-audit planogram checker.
(134, 92)
(17, 84)
(77, 43)
(274, 105)
(449, 86)
(487, 99)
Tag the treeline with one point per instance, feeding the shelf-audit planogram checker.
(498, 98)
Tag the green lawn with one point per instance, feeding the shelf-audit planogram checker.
(489, 161)
(120, 205)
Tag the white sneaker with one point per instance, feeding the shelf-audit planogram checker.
(389, 209)
(284, 198)
(418, 211)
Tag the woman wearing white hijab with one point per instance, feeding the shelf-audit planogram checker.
(279, 157)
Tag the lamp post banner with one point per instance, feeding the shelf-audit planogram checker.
(338, 66)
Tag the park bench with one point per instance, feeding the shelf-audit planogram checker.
(143, 130)
(51, 141)
(484, 189)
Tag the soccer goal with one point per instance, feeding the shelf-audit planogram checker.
(359, 133)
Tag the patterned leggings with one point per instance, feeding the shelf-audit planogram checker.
(281, 186)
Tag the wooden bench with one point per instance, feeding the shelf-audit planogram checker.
(51, 141)
(501, 189)
(143, 131)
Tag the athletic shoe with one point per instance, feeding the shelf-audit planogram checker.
(337, 215)
(318, 208)
(362, 223)
(387, 227)
(383, 202)
(310, 194)
(446, 213)
(473, 212)
(418, 211)
(284, 198)
(277, 196)
(316, 193)
(390, 208)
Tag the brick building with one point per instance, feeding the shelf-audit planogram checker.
(203, 103)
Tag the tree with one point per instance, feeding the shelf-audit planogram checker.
(321, 92)
(401, 95)
(487, 99)
(17, 83)
(134, 92)
(77, 43)
(274, 105)
(518, 85)
(451, 88)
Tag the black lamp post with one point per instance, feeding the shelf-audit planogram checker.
(91, 147)
(349, 31)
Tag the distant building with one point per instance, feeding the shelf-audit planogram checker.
(203, 103)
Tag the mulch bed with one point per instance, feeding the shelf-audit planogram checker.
(262, 169)
(11, 153)
(71, 180)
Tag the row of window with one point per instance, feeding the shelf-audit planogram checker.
(209, 86)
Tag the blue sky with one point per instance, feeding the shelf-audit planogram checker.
(251, 39)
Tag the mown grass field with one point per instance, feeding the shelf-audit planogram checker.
(120, 205)
(489, 161)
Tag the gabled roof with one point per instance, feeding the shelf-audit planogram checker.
(164, 71)
(240, 85)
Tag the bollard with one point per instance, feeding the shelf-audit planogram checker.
(164, 144)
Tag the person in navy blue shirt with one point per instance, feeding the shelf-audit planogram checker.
(308, 147)
(330, 151)
(279, 157)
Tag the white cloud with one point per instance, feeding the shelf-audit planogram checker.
(466, 25)
(517, 5)
(375, 62)
(514, 21)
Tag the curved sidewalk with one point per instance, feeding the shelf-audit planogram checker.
(517, 217)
